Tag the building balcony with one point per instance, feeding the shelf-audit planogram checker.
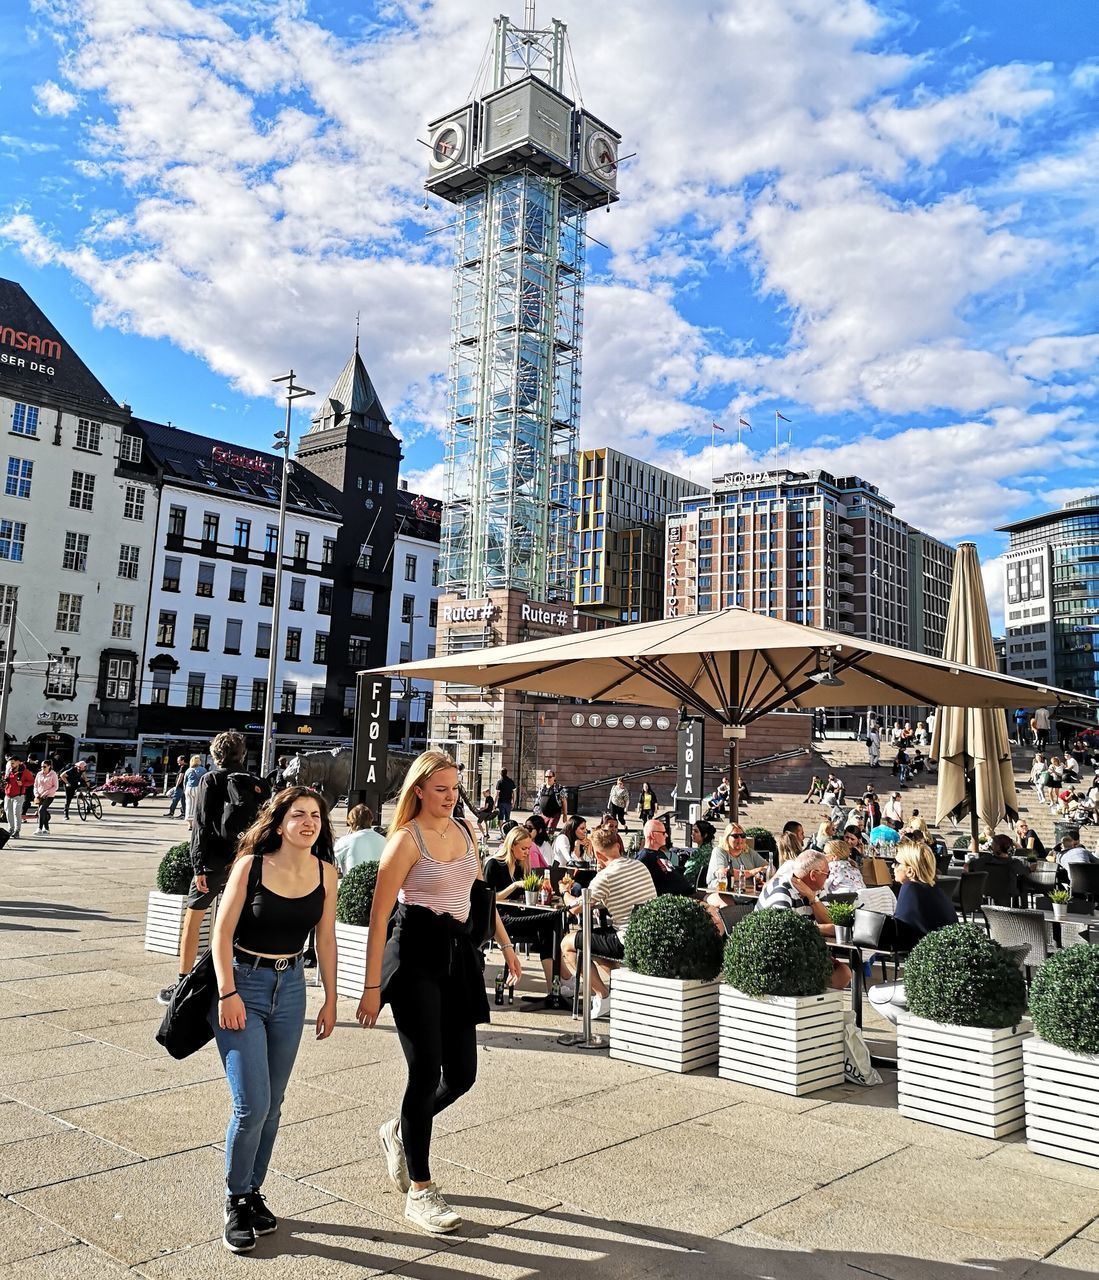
(847, 549)
(846, 531)
(846, 588)
(847, 627)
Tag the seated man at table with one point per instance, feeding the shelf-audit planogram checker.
(795, 886)
(666, 877)
(1071, 851)
(619, 885)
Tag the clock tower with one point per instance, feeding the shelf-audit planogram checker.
(523, 164)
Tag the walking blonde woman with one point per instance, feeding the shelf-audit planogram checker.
(282, 885)
(191, 779)
(428, 972)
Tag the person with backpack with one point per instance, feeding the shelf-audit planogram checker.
(550, 801)
(227, 802)
(73, 779)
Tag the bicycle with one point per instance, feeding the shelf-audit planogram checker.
(88, 805)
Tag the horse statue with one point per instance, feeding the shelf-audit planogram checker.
(329, 772)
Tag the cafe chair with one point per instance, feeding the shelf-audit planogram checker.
(1083, 879)
(971, 893)
(1015, 927)
(1002, 886)
(951, 886)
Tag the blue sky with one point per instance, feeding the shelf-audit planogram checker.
(878, 218)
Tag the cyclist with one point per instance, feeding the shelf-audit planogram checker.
(73, 779)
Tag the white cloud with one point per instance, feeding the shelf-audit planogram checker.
(431, 481)
(1045, 357)
(992, 574)
(52, 100)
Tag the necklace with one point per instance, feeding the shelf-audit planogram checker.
(440, 834)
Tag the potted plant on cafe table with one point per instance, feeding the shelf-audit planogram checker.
(843, 917)
(354, 898)
(780, 1024)
(664, 998)
(960, 1045)
(531, 884)
(168, 902)
(1061, 1063)
(1058, 900)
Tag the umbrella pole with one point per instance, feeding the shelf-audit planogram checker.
(733, 733)
(974, 817)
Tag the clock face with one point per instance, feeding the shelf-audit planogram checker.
(447, 144)
(602, 155)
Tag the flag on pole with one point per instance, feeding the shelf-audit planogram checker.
(782, 416)
(716, 427)
(745, 423)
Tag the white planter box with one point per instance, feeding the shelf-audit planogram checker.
(966, 1078)
(1062, 1103)
(164, 923)
(788, 1044)
(669, 1023)
(350, 959)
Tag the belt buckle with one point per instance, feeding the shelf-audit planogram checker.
(282, 964)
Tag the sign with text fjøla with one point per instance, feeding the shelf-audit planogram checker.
(370, 749)
(688, 782)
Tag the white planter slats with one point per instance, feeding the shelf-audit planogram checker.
(669, 1023)
(164, 923)
(965, 1078)
(1062, 1103)
(350, 959)
(788, 1044)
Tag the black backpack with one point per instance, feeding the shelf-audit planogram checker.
(548, 802)
(245, 796)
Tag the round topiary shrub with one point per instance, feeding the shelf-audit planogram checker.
(763, 840)
(960, 977)
(355, 896)
(961, 842)
(1064, 999)
(673, 937)
(175, 870)
(774, 952)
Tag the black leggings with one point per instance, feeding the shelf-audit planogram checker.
(441, 1052)
(538, 929)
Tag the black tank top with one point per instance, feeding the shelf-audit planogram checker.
(274, 924)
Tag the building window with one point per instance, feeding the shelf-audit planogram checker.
(133, 505)
(316, 700)
(406, 652)
(320, 647)
(130, 449)
(410, 568)
(232, 635)
(18, 483)
(196, 685)
(68, 612)
(75, 554)
(13, 534)
(362, 603)
(237, 581)
(408, 608)
(81, 491)
(200, 633)
(119, 686)
(60, 676)
(365, 553)
(87, 435)
(297, 594)
(271, 540)
(357, 651)
(242, 532)
(159, 695)
(173, 566)
(205, 584)
(128, 557)
(433, 614)
(166, 628)
(210, 523)
(263, 640)
(324, 598)
(301, 545)
(293, 644)
(434, 573)
(289, 698)
(122, 624)
(259, 695)
(349, 702)
(24, 420)
(227, 699)
(267, 590)
(177, 521)
(328, 552)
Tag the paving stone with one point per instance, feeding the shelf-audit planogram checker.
(648, 1104)
(16, 1002)
(18, 1122)
(158, 1206)
(343, 1137)
(78, 990)
(874, 1111)
(25, 1035)
(1081, 1256)
(102, 1015)
(1014, 1155)
(24, 1234)
(56, 1157)
(75, 1263)
(87, 1087)
(63, 1061)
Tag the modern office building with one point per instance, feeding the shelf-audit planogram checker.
(414, 615)
(622, 509)
(1051, 596)
(813, 548)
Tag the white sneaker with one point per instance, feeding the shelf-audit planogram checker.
(393, 1148)
(600, 1006)
(429, 1210)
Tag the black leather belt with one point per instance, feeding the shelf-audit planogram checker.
(268, 962)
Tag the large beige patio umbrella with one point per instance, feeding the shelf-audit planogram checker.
(732, 666)
(971, 743)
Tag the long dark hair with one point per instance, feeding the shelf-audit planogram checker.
(570, 829)
(263, 835)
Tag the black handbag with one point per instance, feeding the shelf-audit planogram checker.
(481, 922)
(186, 1026)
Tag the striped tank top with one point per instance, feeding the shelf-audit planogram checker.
(440, 886)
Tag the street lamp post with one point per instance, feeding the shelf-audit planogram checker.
(410, 693)
(282, 445)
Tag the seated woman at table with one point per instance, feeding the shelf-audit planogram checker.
(825, 832)
(505, 869)
(608, 822)
(733, 855)
(698, 862)
(791, 842)
(572, 845)
(539, 841)
(843, 875)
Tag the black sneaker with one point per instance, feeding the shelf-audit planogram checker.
(164, 996)
(239, 1235)
(263, 1220)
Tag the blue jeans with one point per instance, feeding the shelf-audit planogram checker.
(503, 811)
(177, 799)
(258, 1062)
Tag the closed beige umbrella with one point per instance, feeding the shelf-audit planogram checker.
(971, 743)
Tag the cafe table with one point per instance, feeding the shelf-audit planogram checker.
(519, 903)
(855, 957)
(1079, 923)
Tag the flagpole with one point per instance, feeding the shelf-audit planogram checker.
(712, 426)
(739, 436)
(778, 460)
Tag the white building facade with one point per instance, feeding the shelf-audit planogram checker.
(413, 615)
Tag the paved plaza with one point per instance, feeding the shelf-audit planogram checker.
(563, 1163)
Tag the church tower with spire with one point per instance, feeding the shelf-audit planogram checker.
(352, 446)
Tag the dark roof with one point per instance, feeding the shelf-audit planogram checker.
(233, 470)
(27, 333)
(352, 402)
(1081, 507)
(418, 516)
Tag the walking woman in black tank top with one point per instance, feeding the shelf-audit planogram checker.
(282, 885)
(429, 972)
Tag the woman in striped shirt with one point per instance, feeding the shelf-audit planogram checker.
(428, 971)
